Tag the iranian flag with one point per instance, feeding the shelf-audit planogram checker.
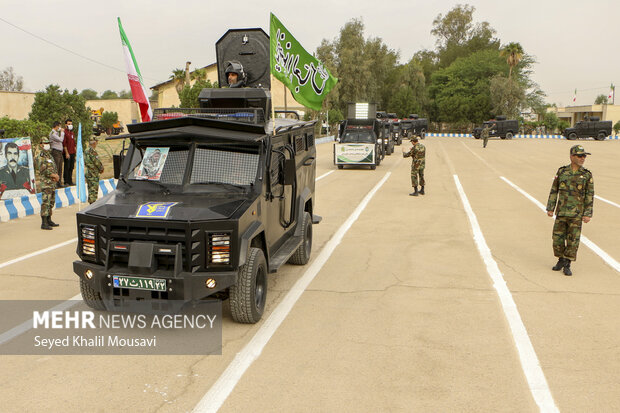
(138, 91)
(575, 96)
(612, 89)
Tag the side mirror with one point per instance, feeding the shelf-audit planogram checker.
(118, 161)
(289, 171)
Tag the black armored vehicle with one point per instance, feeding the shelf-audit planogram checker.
(420, 125)
(592, 128)
(209, 200)
(499, 127)
(360, 137)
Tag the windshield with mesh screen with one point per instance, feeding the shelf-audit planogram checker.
(162, 163)
(358, 136)
(222, 166)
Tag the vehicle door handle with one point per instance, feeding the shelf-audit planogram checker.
(309, 161)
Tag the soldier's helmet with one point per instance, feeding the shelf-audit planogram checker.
(45, 139)
(413, 138)
(236, 67)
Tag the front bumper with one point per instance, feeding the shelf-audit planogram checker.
(183, 287)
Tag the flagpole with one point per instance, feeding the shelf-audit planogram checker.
(273, 111)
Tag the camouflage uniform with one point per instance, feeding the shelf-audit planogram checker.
(418, 162)
(47, 167)
(485, 136)
(93, 168)
(572, 198)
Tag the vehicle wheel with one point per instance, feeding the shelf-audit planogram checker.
(340, 166)
(601, 136)
(301, 256)
(91, 297)
(509, 135)
(373, 167)
(400, 141)
(248, 295)
(422, 134)
(572, 136)
(477, 137)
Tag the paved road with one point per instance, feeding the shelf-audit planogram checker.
(406, 314)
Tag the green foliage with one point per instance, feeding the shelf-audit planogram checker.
(507, 96)
(335, 116)
(56, 105)
(617, 127)
(125, 94)
(189, 95)
(11, 82)
(408, 93)
(551, 122)
(178, 75)
(513, 52)
(89, 94)
(461, 91)
(21, 128)
(109, 94)
(563, 124)
(108, 119)
(601, 100)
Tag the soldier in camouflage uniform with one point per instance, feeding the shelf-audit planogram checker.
(93, 168)
(49, 176)
(485, 135)
(572, 198)
(418, 161)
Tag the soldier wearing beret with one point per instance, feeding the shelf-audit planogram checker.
(418, 161)
(572, 199)
(49, 176)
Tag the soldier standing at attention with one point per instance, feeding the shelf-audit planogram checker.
(418, 161)
(485, 135)
(93, 168)
(573, 194)
(49, 176)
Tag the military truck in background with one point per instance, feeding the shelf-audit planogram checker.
(420, 125)
(209, 200)
(499, 127)
(359, 140)
(592, 128)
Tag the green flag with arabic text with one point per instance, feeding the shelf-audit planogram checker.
(303, 74)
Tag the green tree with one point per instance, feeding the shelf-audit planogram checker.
(617, 128)
(109, 94)
(108, 119)
(199, 74)
(409, 92)
(513, 52)
(551, 122)
(601, 100)
(21, 128)
(55, 104)
(11, 82)
(89, 94)
(125, 94)
(507, 96)
(563, 124)
(189, 95)
(178, 76)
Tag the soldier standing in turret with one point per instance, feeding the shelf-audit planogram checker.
(418, 161)
(573, 194)
(49, 176)
(93, 167)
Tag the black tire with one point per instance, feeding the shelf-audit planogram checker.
(571, 136)
(423, 134)
(601, 136)
(91, 297)
(340, 166)
(400, 141)
(301, 256)
(477, 137)
(373, 167)
(248, 296)
(509, 135)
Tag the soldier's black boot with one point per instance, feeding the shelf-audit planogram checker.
(567, 270)
(559, 265)
(44, 224)
(421, 190)
(51, 223)
(415, 192)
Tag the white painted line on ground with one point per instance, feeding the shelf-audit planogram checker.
(586, 241)
(529, 361)
(27, 325)
(323, 176)
(219, 392)
(607, 200)
(34, 254)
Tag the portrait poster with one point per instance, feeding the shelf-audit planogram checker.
(152, 163)
(16, 168)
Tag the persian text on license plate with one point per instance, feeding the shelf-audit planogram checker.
(139, 283)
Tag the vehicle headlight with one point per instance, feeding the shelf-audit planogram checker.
(379, 141)
(218, 249)
(88, 234)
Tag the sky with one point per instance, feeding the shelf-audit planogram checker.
(76, 44)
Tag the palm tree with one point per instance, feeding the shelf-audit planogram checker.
(513, 52)
(178, 75)
(199, 74)
(187, 77)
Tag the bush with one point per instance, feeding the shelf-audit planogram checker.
(20, 128)
(617, 128)
(108, 119)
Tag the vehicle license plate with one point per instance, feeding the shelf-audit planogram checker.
(139, 283)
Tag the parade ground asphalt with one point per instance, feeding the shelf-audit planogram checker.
(438, 303)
